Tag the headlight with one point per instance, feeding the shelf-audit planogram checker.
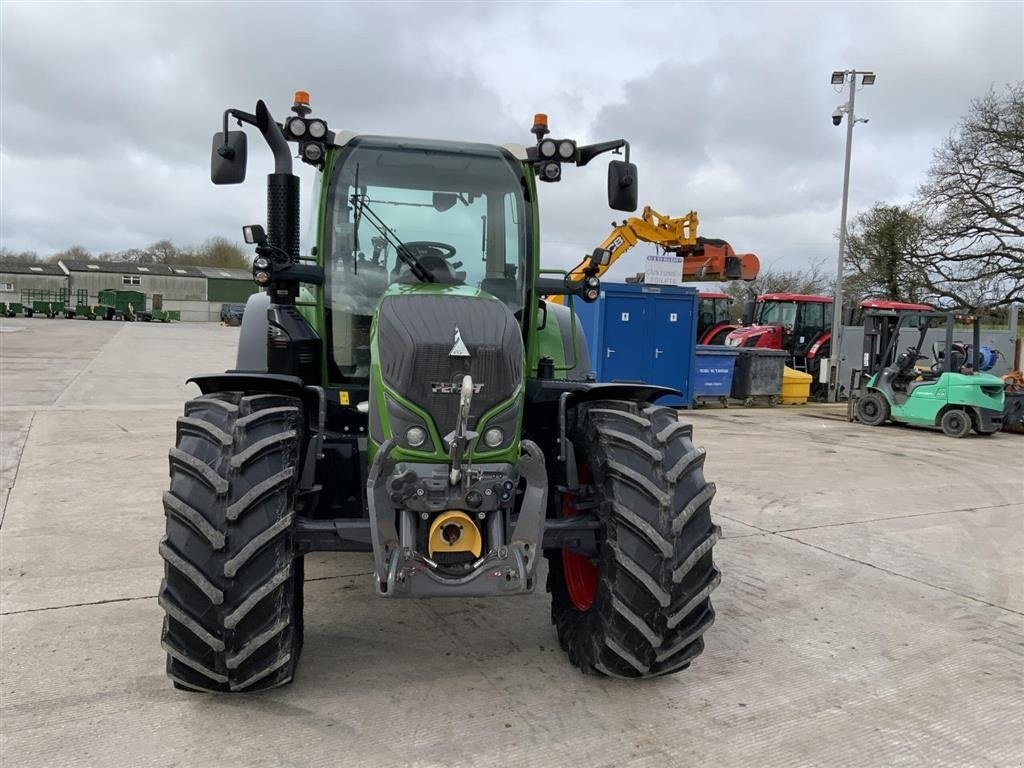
(494, 437)
(548, 148)
(552, 171)
(317, 129)
(415, 436)
(297, 126)
(566, 150)
(312, 152)
(261, 262)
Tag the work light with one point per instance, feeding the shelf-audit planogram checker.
(317, 129)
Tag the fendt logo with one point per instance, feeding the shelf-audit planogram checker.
(451, 388)
(459, 350)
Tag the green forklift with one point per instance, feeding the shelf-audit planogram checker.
(952, 393)
(402, 388)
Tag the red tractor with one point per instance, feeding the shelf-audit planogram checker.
(801, 325)
(714, 317)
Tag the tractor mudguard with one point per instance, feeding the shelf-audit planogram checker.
(565, 318)
(252, 342)
(539, 391)
(247, 381)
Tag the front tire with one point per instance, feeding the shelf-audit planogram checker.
(647, 605)
(232, 590)
(872, 409)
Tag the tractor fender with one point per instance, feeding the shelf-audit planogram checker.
(819, 342)
(252, 341)
(249, 381)
(565, 318)
(721, 331)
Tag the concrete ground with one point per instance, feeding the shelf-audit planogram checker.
(870, 612)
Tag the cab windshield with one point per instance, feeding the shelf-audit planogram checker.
(417, 212)
(776, 313)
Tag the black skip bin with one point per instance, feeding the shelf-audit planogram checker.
(758, 375)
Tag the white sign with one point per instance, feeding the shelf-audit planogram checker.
(663, 270)
(672, 317)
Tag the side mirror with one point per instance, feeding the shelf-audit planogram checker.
(227, 158)
(622, 186)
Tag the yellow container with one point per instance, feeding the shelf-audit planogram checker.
(796, 386)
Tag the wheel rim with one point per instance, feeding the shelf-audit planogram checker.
(956, 422)
(869, 408)
(580, 573)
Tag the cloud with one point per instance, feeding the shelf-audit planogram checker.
(107, 109)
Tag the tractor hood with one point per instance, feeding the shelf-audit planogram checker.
(426, 338)
(769, 336)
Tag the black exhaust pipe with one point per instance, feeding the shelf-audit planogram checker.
(282, 188)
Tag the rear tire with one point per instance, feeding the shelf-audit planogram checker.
(232, 590)
(872, 409)
(654, 572)
(956, 423)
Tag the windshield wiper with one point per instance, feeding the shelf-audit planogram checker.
(362, 208)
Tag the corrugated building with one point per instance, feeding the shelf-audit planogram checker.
(15, 278)
(197, 292)
(228, 286)
(178, 287)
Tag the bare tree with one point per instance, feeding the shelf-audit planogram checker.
(814, 279)
(17, 257)
(883, 250)
(74, 253)
(973, 201)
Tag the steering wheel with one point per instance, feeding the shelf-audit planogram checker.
(908, 359)
(423, 248)
(434, 256)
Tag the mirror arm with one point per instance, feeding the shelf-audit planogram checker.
(241, 117)
(588, 152)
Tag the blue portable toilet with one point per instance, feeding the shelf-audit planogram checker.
(643, 333)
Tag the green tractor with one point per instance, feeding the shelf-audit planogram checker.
(953, 393)
(405, 391)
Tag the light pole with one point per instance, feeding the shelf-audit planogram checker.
(840, 77)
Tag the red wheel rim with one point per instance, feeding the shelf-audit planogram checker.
(580, 572)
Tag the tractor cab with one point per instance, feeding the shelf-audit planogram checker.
(798, 323)
(713, 316)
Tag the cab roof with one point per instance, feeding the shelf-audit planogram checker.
(798, 297)
(884, 304)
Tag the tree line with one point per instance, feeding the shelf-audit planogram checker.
(215, 252)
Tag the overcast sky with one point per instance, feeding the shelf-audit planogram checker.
(107, 110)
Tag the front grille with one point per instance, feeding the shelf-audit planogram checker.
(415, 336)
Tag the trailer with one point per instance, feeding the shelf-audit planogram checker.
(80, 307)
(115, 304)
(44, 302)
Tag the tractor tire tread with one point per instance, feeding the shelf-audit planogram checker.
(232, 587)
(656, 568)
